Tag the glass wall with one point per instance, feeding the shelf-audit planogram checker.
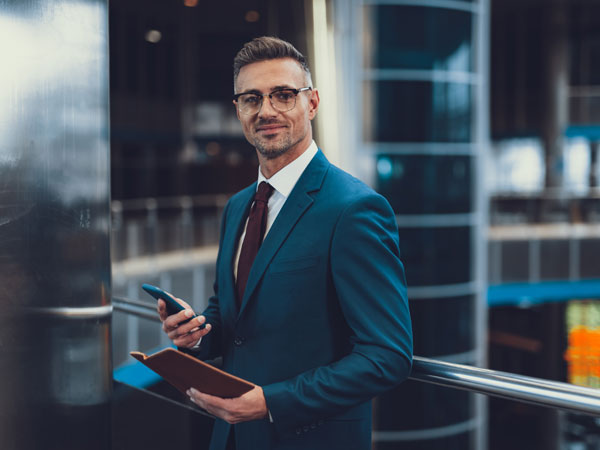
(422, 121)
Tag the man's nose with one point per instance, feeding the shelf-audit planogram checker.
(266, 109)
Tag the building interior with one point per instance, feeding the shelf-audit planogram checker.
(478, 120)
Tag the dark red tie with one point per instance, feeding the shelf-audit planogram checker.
(255, 231)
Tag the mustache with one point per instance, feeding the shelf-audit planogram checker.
(262, 122)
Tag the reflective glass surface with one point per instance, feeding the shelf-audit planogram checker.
(415, 37)
(434, 256)
(417, 111)
(426, 184)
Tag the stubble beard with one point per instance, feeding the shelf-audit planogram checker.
(272, 150)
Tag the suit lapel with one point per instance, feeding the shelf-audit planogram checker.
(295, 206)
(239, 211)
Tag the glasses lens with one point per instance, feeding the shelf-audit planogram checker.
(283, 100)
(249, 103)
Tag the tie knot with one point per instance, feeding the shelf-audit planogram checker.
(264, 192)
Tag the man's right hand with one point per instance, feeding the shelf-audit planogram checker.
(186, 335)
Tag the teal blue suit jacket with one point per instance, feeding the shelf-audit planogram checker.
(324, 324)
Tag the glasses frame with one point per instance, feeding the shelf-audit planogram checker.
(270, 95)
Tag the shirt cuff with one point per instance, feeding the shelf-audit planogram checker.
(197, 345)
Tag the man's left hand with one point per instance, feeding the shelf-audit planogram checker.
(250, 406)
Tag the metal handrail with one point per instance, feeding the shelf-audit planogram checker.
(136, 308)
(520, 388)
(181, 201)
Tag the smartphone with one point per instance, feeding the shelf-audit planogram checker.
(173, 306)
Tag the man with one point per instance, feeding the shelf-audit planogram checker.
(316, 316)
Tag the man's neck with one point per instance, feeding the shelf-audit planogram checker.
(270, 167)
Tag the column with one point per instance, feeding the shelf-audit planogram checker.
(55, 278)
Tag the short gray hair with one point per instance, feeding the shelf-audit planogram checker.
(265, 48)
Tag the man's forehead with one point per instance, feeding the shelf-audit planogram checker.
(270, 74)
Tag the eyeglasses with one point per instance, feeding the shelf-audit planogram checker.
(282, 100)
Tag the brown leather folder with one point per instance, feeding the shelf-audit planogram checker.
(184, 371)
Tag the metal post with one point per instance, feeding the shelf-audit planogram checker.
(151, 228)
(556, 59)
(593, 177)
(55, 279)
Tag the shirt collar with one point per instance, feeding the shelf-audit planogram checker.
(286, 178)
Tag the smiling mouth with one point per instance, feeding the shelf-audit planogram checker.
(270, 128)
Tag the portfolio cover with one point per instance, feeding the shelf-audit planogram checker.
(184, 371)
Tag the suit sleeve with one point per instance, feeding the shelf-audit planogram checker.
(370, 285)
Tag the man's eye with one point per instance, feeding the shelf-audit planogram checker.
(250, 99)
(284, 96)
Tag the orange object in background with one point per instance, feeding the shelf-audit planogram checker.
(583, 351)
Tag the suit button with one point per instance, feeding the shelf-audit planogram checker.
(305, 428)
(238, 341)
(298, 431)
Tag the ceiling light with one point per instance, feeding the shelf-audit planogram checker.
(153, 36)
(252, 16)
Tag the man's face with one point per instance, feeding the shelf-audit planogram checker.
(270, 131)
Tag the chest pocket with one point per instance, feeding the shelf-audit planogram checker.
(293, 264)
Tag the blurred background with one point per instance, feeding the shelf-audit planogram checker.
(478, 120)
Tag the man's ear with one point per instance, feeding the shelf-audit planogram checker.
(237, 111)
(313, 104)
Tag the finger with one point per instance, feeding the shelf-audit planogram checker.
(175, 333)
(174, 320)
(172, 327)
(182, 302)
(161, 307)
(186, 342)
(169, 328)
(192, 336)
(219, 407)
(204, 331)
(193, 324)
(204, 401)
(191, 339)
(211, 400)
(193, 395)
(217, 412)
